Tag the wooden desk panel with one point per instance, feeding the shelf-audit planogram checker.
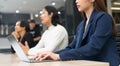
(13, 60)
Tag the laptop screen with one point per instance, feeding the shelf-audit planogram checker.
(20, 53)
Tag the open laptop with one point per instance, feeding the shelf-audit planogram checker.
(20, 53)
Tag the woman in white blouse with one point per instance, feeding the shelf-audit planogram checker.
(54, 38)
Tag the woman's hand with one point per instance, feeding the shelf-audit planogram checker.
(15, 34)
(47, 55)
(24, 47)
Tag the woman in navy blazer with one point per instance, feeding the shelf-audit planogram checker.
(95, 36)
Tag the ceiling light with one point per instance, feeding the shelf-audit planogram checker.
(24, 2)
(17, 11)
(116, 3)
(36, 15)
(59, 12)
(115, 8)
(41, 12)
(64, 0)
(53, 3)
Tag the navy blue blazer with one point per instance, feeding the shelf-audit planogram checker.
(97, 43)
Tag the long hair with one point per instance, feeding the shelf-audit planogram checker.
(55, 17)
(99, 5)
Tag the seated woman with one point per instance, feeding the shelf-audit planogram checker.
(95, 37)
(21, 33)
(55, 37)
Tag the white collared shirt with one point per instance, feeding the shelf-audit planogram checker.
(53, 39)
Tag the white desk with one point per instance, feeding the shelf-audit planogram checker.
(13, 60)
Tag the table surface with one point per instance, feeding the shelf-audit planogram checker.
(13, 60)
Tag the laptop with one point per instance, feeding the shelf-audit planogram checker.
(20, 53)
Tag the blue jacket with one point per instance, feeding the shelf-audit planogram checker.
(97, 43)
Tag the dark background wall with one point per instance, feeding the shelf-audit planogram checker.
(72, 16)
(8, 20)
(0, 17)
(11, 18)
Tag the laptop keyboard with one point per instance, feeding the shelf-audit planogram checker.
(34, 61)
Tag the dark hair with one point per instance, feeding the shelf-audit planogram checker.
(99, 5)
(24, 24)
(55, 17)
(32, 21)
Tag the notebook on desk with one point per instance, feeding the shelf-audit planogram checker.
(20, 53)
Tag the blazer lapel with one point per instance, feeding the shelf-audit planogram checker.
(79, 34)
(87, 30)
(89, 24)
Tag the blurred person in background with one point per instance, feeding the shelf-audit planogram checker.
(35, 30)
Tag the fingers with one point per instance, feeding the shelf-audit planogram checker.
(15, 35)
(44, 57)
(41, 57)
(21, 44)
(37, 57)
(24, 47)
(26, 44)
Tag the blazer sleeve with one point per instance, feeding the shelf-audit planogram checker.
(103, 32)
